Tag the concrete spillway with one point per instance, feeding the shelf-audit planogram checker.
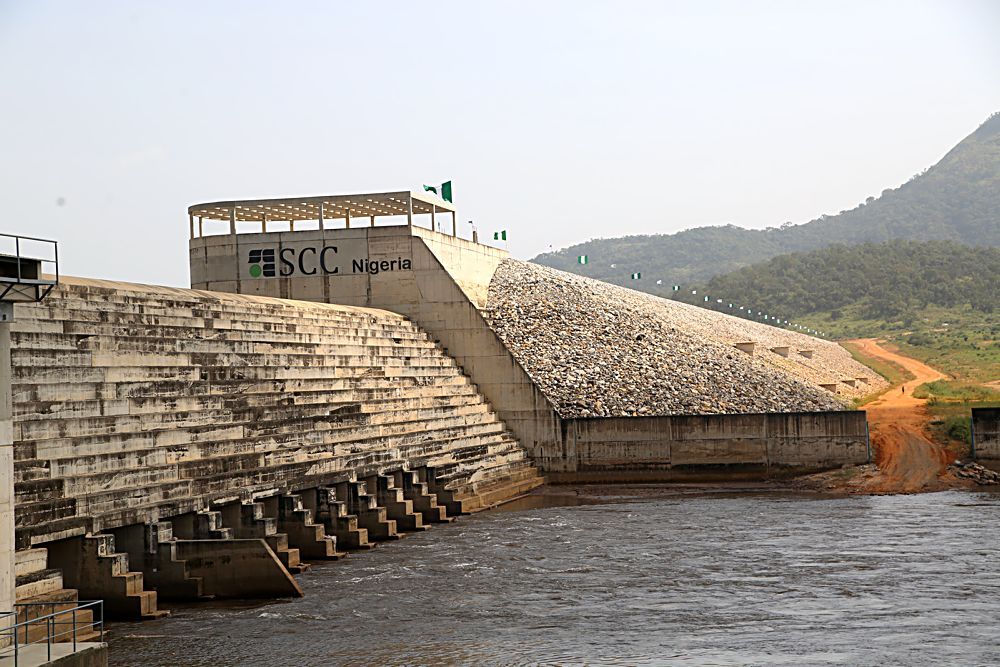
(151, 413)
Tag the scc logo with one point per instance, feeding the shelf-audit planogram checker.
(262, 263)
(307, 261)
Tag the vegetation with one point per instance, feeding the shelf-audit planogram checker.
(881, 281)
(958, 199)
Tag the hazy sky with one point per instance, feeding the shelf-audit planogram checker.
(557, 121)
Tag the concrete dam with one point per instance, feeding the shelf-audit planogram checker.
(319, 390)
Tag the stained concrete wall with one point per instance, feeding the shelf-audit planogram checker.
(442, 289)
(986, 431)
(711, 446)
(134, 403)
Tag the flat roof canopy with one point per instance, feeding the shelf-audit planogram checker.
(323, 206)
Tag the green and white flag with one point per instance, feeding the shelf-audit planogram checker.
(500, 236)
(636, 276)
(730, 305)
(582, 259)
(706, 298)
(430, 188)
(677, 288)
(446, 191)
(718, 300)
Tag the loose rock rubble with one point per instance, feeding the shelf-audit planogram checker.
(975, 472)
(600, 350)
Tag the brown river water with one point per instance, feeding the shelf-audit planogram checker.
(695, 579)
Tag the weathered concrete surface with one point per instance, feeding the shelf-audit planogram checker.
(87, 654)
(240, 568)
(443, 290)
(135, 403)
(986, 430)
(710, 447)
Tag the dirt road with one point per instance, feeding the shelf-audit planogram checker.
(906, 459)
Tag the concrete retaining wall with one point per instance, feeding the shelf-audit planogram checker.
(986, 431)
(710, 446)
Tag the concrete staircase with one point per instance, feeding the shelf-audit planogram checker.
(91, 565)
(40, 592)
(304, 534)
(132, 402)
(248, 521)
(336, 519)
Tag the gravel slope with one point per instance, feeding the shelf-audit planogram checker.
(600, 350)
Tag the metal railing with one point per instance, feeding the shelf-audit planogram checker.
(17, 281)
(17, 637)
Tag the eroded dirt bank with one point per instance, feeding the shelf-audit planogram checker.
(906, 460)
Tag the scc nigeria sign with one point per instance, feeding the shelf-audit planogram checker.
(269, 262)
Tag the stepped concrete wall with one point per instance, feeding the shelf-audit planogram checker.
(135, 403)
(677, 448)
(442, 283)
(986, 431)
(442, 289)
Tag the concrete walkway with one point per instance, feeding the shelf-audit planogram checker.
(88, 654)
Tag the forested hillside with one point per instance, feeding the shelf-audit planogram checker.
(958, 199)
(881, 280)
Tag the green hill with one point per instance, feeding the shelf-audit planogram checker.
(958, 199)
(881, 281)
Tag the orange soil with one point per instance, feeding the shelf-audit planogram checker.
(907, 460)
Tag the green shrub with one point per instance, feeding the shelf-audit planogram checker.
(957, 428)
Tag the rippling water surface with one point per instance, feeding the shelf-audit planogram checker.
(708, 580)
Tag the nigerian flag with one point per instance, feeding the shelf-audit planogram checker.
(676, 287)
(500, 236)
(446, 191)
(582, 259)
(430, 188)
(636, 276)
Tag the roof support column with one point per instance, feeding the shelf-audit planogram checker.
(347, 217)
(373, 221)
(191, 224)
(409, 211)
(232, 221)
(201, 226)
(454, 225)
(263, 224)
(433, 218)
(322, 222)
(291, 225)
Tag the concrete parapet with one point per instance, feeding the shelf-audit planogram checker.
(746, 346)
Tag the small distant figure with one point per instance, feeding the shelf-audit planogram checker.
(902, 389)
